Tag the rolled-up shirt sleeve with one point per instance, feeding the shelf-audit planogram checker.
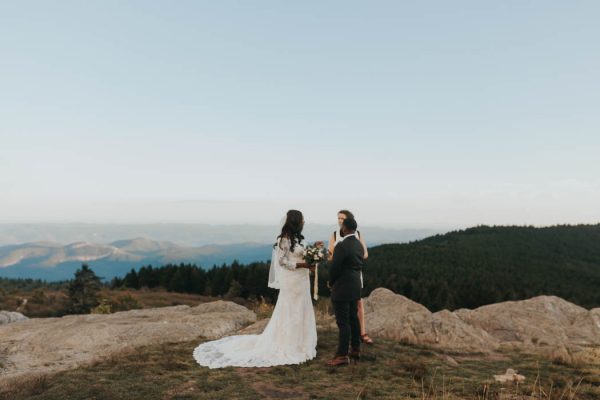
(284, 255)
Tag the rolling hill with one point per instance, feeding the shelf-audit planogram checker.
(485, 265)
(462, 269)
(53, 261)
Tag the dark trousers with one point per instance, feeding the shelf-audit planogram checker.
(346, 316)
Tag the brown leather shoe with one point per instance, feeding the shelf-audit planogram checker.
(354, 354)
(338, 361)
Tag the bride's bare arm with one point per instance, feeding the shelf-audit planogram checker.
(331, 246)
(364, 245)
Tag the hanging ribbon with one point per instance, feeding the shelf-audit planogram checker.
(316, 283)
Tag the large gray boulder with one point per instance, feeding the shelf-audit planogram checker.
(396, 317)
(538, 324)
(7, 317)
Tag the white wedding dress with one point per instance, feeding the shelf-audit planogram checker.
(290, 336)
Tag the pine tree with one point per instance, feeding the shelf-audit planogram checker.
(177, 283)
(83, 290)
(132, 280)
(235, 290)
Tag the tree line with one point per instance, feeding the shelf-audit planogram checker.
(233, 280)
(462, 269)
(484, 265)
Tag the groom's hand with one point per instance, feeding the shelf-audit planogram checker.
(306, 265)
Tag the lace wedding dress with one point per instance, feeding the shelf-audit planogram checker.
(290, 336)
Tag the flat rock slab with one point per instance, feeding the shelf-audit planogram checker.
(43, 345)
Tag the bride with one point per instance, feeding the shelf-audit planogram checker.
(291, 335)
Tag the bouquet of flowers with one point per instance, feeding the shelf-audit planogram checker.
(313, 255)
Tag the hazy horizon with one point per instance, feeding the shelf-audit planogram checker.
(406, 216)
(186, 234)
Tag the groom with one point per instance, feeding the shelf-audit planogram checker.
(344, 280)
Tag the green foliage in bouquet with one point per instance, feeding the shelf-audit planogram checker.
(315, 254)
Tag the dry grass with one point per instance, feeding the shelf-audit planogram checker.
(262, 308)
(388, 370)
(36, 303)
(41, 303)
(152, 298)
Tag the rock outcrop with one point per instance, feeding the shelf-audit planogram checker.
(41, 345)
(539, 321)
(546, 325)
(396, 317)
(7, 317)
(543, 322)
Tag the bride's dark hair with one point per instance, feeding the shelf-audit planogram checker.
(292, 229)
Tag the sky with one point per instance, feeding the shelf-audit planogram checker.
(429, 114)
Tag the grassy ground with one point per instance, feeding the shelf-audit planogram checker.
(389, 371)
(42, 303)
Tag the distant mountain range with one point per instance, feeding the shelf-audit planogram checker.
(187, 234)
(52, 261)
(38, 250)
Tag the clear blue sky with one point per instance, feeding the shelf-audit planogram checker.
(415, 114)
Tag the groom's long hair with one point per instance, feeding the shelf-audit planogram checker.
(292, 229)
